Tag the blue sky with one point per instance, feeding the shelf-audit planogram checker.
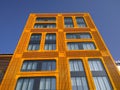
(14, 13)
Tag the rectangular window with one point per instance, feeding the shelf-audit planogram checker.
(78, 76)
(81, 46)
(99, 74)
(50, 42)
(34, 43)
(78, 35)
(36, 83)
(45, 25)
(81, 22)
(68, 22)
(45, 19)
(39, 65)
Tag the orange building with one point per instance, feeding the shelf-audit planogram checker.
(61, 51)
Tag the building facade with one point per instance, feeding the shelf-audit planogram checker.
(61, 51)
(4, 62)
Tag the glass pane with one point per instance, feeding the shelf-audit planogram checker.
(76, 65)
(53, 65)
(19, 84)
(53, 84)
(50, 46)
(71, 66)
(101, 83)
(80, 66)
(47, 84)
(100, 65)
(95, 66)
(34, 66)
(79, 84)
(29, 66)
(42, 84)
(84, 83)
(96, 83)
(24, 67)
(107, 83)
(91, 66)
(85, 46)
(49, 65)
(31, 83)
(44, 64)
(25, 84)
(74, 85)
(46, 46)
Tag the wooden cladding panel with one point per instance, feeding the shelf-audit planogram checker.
(22, 43)
(40, 54)
(113, 71)
(63, 74)
(89, 22)
(98, 41)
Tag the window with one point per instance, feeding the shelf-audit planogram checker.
(45, 19)
(68, 22)
(78, 76)
(99, 75)
(41, 65)
(34, 43)
(81, 22)
(50, 42)
(81, 46)
(45, 25)
(78, 35)
(36, 83)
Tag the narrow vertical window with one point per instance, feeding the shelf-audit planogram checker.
(68, 22)
(34, 43)
(78, 76)
(81, 22)
(50, 42)
(39, 83)
(99, 74)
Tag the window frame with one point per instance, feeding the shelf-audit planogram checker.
(105, 71)
(39, 60)
(86, 25)
(83, 42)
(30, 42)
(84, 70)
(39, 81)
(67, 22)
(49, 43)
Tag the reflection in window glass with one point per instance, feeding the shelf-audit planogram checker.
(68, 22)
(45, 19)
(46, 25)
(34, 43)
(100, 80)
(78, 77)
(78, 36)
(39, 83)
(40, 65)
(50, 42)
(81, 46)
(81, 22)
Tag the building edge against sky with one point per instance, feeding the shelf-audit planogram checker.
(59, 50)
